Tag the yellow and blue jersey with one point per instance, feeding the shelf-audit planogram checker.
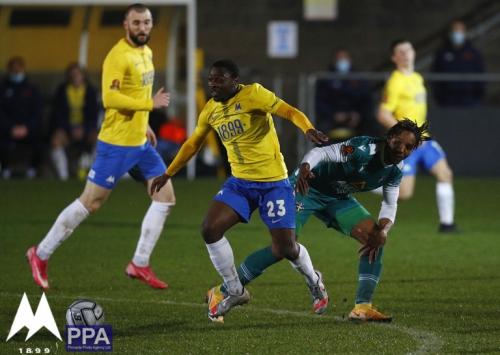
(246, 128)
(127, 83)
(405, 96)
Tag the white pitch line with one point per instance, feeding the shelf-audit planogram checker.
(429, 342)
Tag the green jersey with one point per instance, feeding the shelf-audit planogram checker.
(352, 166)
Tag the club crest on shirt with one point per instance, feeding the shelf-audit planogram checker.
(347, 149)
(115, 85)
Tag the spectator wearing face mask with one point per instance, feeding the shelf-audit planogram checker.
(21, 120)
(458, 55)
(343, 106)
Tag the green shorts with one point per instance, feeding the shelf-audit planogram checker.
(341, 214)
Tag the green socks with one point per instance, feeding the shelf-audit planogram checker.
(369, 275)
(253, 266)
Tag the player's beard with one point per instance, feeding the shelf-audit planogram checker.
(137, 41)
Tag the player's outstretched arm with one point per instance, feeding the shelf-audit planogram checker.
(188, 150)
(300, 120)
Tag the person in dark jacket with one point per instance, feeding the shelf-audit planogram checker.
(74, 121)
(21, 120)
(343, 106)
(458, 55)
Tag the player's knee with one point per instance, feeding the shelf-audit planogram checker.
(361, 237)
(446, 175)
(289, 251)
(167, 194)
(209, 232)
(170, 200)
(405, 195)
(205, 230)
(93, 207)
(360, 233)
(442, 171)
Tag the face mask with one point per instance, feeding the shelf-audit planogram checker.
(17, 78)
(457, 37)
(343, 66)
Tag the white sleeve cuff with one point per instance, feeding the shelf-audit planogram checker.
(390, 203)
(331, 153)
(388, 211)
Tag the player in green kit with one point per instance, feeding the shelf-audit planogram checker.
(324, 183)
(328, 176)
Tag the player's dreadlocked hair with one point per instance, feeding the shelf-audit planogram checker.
(406, 124)
(229, 65)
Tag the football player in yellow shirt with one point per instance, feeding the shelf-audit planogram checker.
(126, 143)
(241, 116)
(405, 96)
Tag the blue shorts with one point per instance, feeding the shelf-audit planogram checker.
(274, 200)
(425, 156)
(113, 161)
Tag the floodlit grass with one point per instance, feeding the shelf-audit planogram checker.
(442, 290)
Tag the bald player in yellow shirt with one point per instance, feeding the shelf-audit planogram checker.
(126, 143)
(241, 116)
(405, 96)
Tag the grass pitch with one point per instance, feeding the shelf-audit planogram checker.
(443, 291)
